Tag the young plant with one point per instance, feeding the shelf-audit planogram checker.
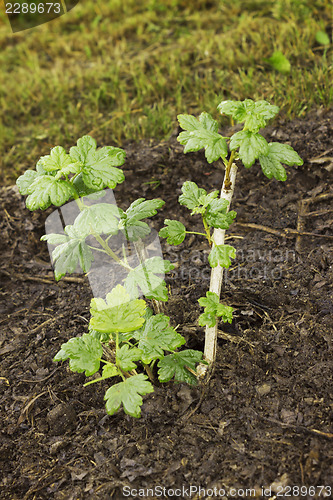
(125, 340)
(247, 146)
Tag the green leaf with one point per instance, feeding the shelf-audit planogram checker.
(213, 309)
(217, 216)
(101, 218)
(24, 181)
(279, 62)
(84, 353)
(191, 195)
(98, 165)
(220, 255)
(174, 231)
(322, 38)
(253, 114)
(251, 146)
(126, 356)
(202, 133)
(118, 314)
(156, 336)
(278, 153)
(109, 370)
(129, 394)
(68, 254)
(46, 190)
(130, 223)
(176, 364)
(58, 159)
(83, 190)
(145, 277)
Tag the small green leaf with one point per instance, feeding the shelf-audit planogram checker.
(253, 114)
(46, 190)
(118, 313)
(213, 309)
(278, 153)
(217, 216)
(191, 195)
(109, 370)
(84, 353)
(174, 231)
(220, 255)
(176, 364)
(101, 218)
(130, 223)
(279, 62)
(68, 254)
(58, 159)
(156, 336)
(202, 133)
(251, 146)
(24, 181)
(98, 165)
(322, 38)
(145, 277)
(129, 394)
(126, 356)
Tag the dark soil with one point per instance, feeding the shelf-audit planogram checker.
(265, 416)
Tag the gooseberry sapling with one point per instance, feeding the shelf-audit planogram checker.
(246, 146)
(125, 339)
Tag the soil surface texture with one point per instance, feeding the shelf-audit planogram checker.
(264, 419)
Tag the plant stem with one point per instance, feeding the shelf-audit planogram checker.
(110, 252)
(194, 232)
(227, 191)
(207, 229)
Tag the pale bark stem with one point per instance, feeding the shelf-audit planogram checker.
(217, 276)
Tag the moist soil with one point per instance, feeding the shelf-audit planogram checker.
(263, 419)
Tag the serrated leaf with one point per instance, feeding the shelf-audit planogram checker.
(69, 253)
(145, 276)
(156, 336)
(322, 38)
(217, 215)
(130, 223)
(109, 370)
(202, 133)
(279, 62)
(24, 181)
(98, 165)
(253, 114)
(213, 309)
(251, 146)
(126, 356)
(83, 190)
(58, 159)
(176, 364)
(84, 353)
(174, 231)
(101, 218)
(128, 393)
(46, 191)
(220, 255)
(118, 314)
(191, 195)
(278, 153)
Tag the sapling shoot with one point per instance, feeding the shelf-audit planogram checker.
(245, 146)
(125, 340)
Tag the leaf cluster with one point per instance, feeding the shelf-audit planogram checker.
(128, 328)
(249, 144)
(62, 176)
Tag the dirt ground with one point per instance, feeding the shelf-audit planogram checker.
(265, 417)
